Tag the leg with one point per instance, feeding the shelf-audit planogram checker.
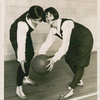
(72, 66)
(20, 76)
(74, 70)
(26, 79)
(27, 67)
(70, 57)
(77, 77)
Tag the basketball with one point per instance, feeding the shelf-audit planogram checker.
(39, 64)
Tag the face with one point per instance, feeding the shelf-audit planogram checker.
(36, 21)
(49, 18)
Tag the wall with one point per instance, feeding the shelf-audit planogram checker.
(82, 11)
(1, 50)
(98, 50)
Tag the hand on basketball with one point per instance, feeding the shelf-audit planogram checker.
(22, 66)
(51, 64)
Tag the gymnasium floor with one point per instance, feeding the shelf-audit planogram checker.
(52, 85)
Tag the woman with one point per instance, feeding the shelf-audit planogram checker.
(22, 44)
(77, 42)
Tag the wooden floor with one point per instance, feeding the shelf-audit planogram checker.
(52, 85)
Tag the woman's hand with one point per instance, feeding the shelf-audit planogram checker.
(51, 64)
(22, 65)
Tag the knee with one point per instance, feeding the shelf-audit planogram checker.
(68, 61)
(80, 68)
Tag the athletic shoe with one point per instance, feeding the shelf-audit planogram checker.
(66, 94)
(27, 80)
(20, 93)
(79, 84)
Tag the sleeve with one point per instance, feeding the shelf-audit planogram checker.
(46, 45)
(67, 29)
(21, 40)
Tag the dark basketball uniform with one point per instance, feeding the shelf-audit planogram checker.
(79, 50)
(29, 51)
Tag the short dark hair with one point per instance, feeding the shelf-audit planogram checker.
(52, 11)
(35, 12)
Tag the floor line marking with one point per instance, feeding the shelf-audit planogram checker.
(81, 97)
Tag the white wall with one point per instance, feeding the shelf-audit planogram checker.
(82, 11)
(98, 49)
(1, 50)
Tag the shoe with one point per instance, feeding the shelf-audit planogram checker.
(79, 84)
(20, 93)
(66, 94)
(27, 80)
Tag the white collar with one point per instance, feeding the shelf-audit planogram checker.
(29, 22)
(58, 25)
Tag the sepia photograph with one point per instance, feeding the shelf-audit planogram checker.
(49, 49)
